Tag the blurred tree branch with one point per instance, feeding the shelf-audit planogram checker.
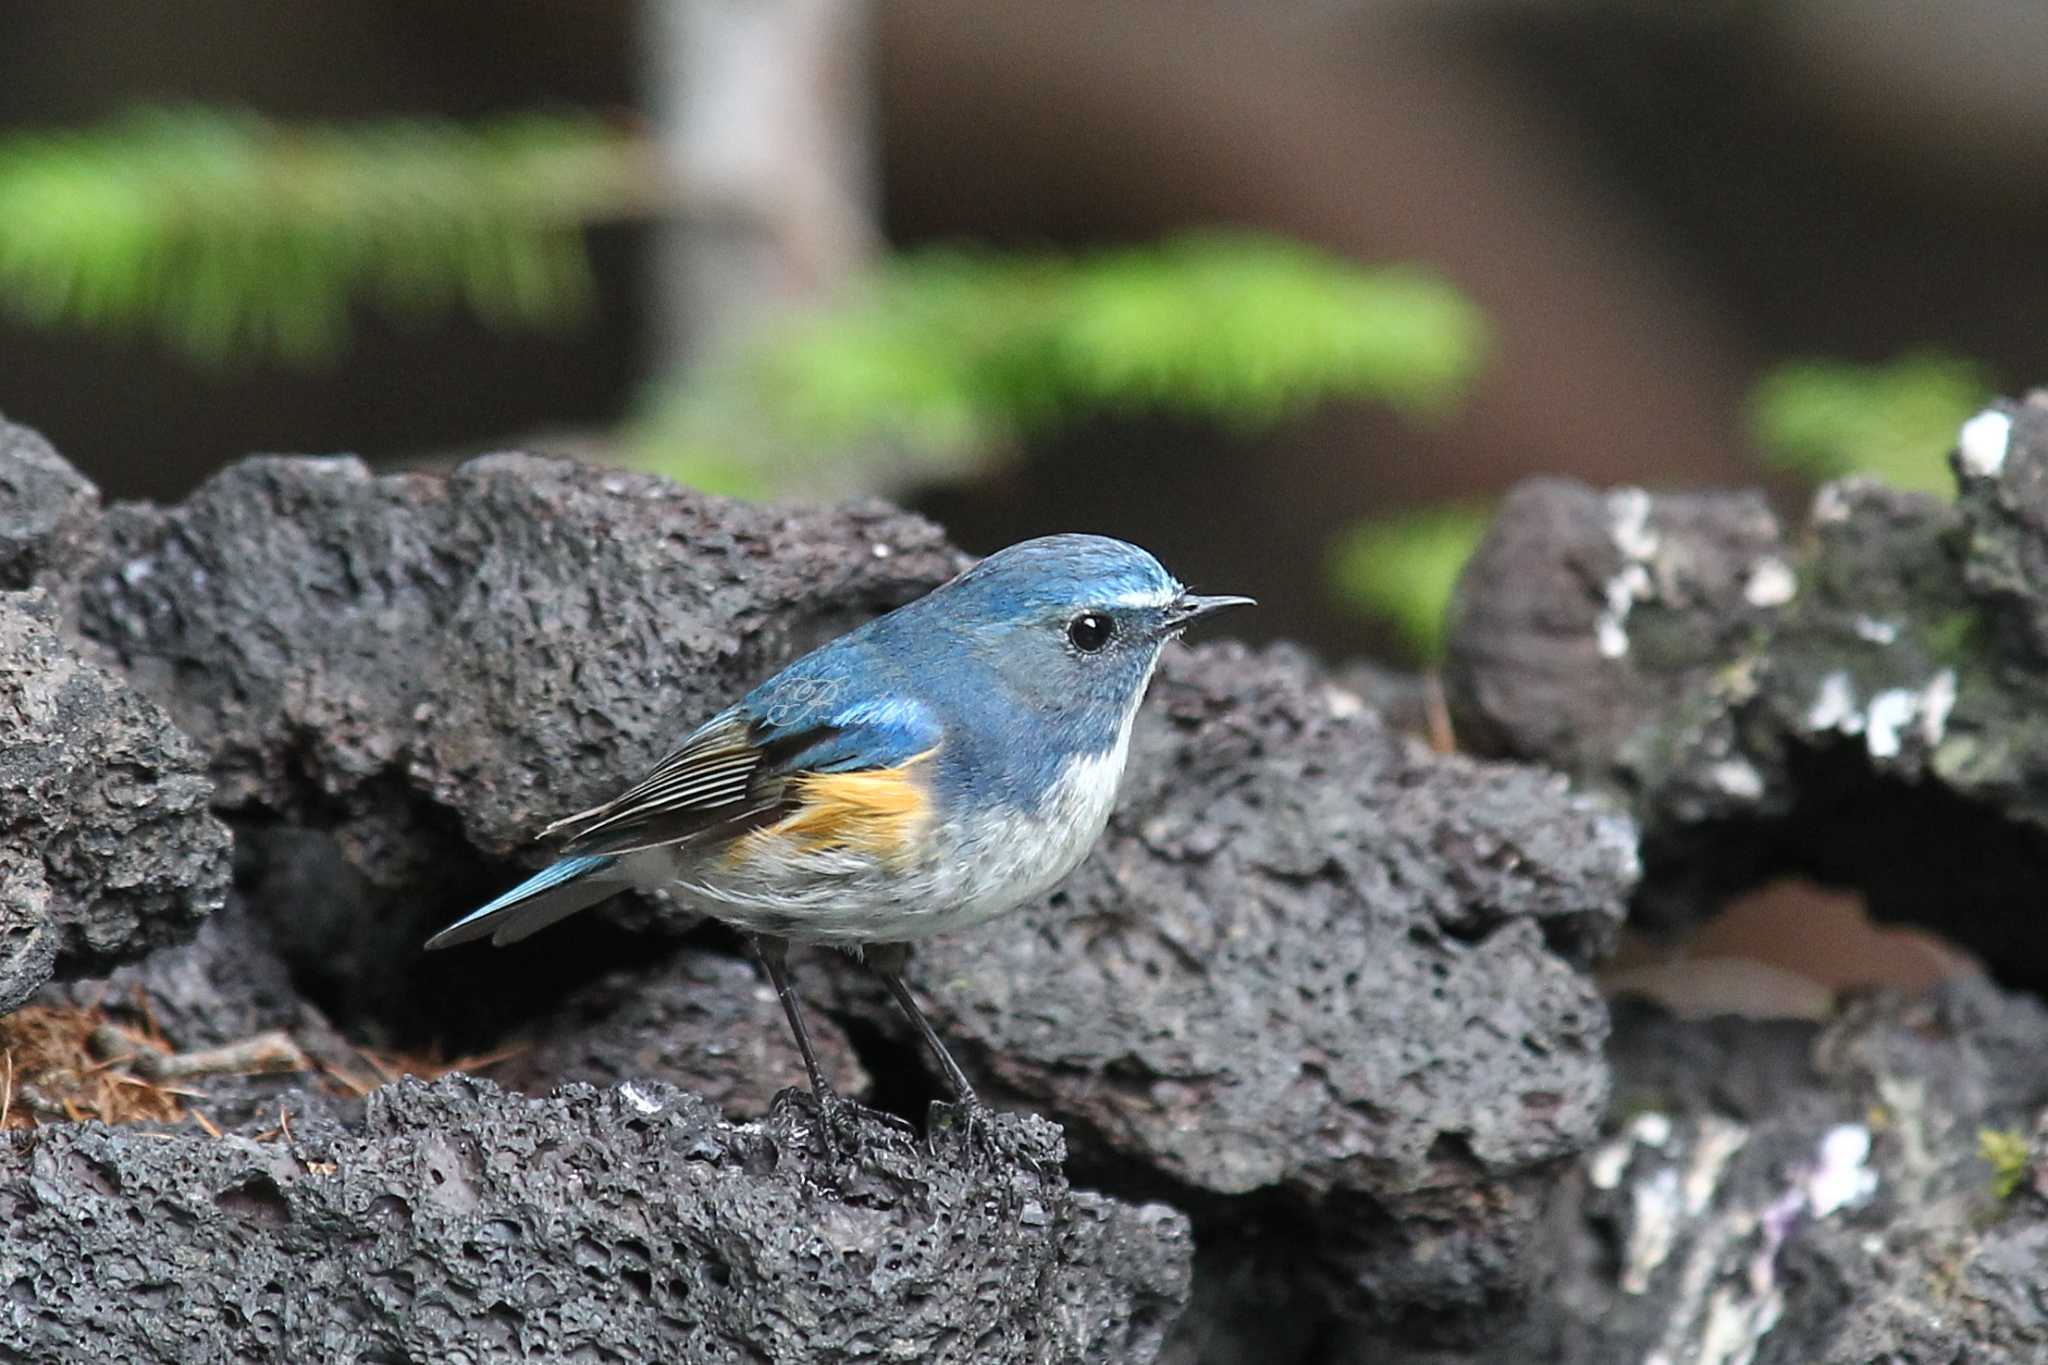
(763, 108)
(229, 235)
(945, 360)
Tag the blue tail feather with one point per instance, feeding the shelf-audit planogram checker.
(553, 893)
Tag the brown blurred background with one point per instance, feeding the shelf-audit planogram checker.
(1651, 203)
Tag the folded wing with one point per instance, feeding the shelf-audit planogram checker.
(751, 766)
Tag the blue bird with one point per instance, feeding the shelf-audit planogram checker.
(926, 772)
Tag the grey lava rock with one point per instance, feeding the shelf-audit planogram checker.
(702, 1021)
(107, 848)
(409, 657)
(398, 681)
(462, 1223)
(1324, 989)
(1316, 969)
(1861, 701)
(49, 514)
(1792, 1194)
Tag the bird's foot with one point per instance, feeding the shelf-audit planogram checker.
(970, 1128)
(845, 1119)
(848, 1125)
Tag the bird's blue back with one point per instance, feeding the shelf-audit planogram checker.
(973, 668)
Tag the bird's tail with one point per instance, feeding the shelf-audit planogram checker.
(555, 892)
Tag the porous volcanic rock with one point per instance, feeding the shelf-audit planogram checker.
(497, 644)
(459, 1222)
(1861, 701)
(1786, 1193)
(701, 1021)
(49, 514)
(1315, 977)
(1322, 988)
(107, 848)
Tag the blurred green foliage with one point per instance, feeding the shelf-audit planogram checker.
(946, 359)
(234, 238)
(1896, 421)
(1402, 568)
(2005, 1152)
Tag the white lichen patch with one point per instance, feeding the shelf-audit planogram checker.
(1841, 1174)
(1715, 1146)
(1628, 525)
(1771, 583)
(1628, 510)
(1982, 443)
(1624, 590)
(1649, 1129)
(1737, 1324)
(1893, 716)
(1737, 777)
(1725, 1299)
(1673, 1192)
(1835, 708)
(1656, 1208)
(1343, 703)
(1935, 704)
(1830, 505)
(1891, 711)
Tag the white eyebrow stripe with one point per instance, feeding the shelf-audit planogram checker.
(1145, 597)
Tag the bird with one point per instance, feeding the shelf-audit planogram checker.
(929, 771)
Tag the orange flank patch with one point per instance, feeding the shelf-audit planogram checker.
(879, 811)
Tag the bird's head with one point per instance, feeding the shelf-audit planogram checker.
(1075, 620)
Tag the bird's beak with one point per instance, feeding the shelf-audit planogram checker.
(1188, 608)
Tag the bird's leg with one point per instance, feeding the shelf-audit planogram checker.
(774, 955)
(975, 1121)
(886, 960)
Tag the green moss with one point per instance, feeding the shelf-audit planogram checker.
(1957, 639)
(2005, 1151)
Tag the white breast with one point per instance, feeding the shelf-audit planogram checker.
(1006, 859)
(979, 867)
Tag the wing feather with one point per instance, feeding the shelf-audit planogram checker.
(738, 771)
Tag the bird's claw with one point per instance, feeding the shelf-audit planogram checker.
(844, 1119)
(969, 1125)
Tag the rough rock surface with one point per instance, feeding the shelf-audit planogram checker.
(1860, 702)
(225, 987)
(398, 680)
(1316, 968)
(48, 515)
(1791, 1194)
(462, 1223)
(1322, 990)
(701, 1021)
(499, 645)
(107, 848)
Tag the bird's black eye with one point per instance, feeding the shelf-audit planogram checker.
(1090, 631)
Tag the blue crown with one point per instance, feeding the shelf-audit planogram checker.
(1055, 573)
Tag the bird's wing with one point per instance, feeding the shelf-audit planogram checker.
(754, 764)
